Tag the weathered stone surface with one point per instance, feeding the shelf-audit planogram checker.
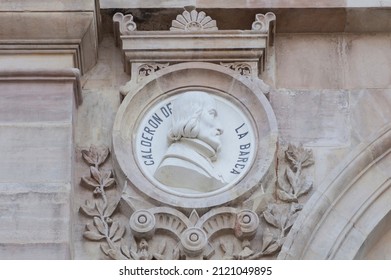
(308, 62)
(22, 102)
(333, 61)
(39, 152)
(380, 247)
(365, 61)
(47, 5)
(35, 213)
(369, 112)
(36, 145)
(314, 118)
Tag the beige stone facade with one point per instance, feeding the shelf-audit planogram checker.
(313, 78)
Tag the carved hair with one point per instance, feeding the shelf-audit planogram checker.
(186, 112)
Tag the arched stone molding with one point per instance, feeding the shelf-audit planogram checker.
(350, 209)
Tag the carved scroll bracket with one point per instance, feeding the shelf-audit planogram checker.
(126, 23)
(265, 23)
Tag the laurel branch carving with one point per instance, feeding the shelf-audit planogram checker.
(281, 215)
(103, 227)
(296, 183)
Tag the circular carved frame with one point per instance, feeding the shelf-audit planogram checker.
(203, 76)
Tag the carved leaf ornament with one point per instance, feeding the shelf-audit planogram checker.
(296, 184)
(103, 226)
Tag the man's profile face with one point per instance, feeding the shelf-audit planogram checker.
(210, 128)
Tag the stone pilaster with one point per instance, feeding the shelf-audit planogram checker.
(36, 148)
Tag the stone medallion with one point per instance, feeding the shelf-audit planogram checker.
(194, 135)
(213, 154)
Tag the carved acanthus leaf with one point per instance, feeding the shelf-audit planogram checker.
(191, 21)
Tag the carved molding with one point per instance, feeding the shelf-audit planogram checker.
(241, 68)
(167, 233)
(193, 235)
(192, 40)
(71, 41)
(147, 69)
(191, 20)
(246, 70)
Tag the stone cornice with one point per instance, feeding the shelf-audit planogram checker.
(68, 32)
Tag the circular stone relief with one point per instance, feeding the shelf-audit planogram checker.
(194, 142)
(194, 135)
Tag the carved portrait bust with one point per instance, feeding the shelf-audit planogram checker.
(194, 139)
(193, 136)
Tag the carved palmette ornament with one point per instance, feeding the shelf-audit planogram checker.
(191, 20)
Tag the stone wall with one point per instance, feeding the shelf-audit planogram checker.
(330, 75)
(36, 174)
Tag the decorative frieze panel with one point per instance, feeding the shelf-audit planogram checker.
(167, 233)
(195, 149)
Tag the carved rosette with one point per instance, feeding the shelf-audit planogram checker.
(191, 20)
(142, 224)
(194, 241)
(248, 223)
